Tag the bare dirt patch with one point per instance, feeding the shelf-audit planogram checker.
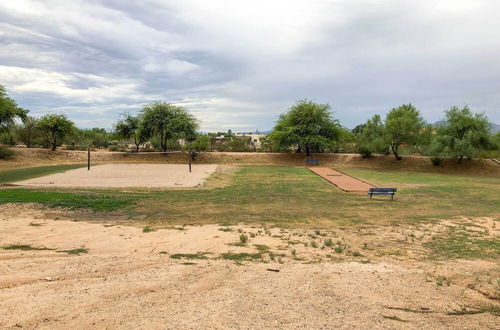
(207, 277)
(126, 175)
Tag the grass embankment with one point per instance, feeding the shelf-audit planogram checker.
(10, 176)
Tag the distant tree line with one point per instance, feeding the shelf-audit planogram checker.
(306, 127)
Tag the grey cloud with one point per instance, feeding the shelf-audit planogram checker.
(97, 59)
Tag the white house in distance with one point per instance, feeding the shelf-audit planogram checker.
(255, 138)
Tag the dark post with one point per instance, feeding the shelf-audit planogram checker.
(88, 159)
(190, 166)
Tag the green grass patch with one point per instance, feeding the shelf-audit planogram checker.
(23, 247)
(241, 256)
(148, 229)
(72, 200)
(75, 251)
(21, 174)
(190, 256)
(463, 245)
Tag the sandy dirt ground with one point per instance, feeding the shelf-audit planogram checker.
(127, 175)
(128, 279)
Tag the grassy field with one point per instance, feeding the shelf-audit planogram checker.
(286, 197)
(294, 197)
(10, 176)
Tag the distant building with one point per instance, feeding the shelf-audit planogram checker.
(254, 139)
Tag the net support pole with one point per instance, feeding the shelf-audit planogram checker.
(88, 159)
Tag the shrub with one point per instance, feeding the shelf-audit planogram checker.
(5, 153)
(436, 161)
(243, 238)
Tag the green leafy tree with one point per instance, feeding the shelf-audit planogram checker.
(9, 110)
(403, 125)
(28, 131)
(371, 137)
(56, 127)
(201, 143)
(130, 127)
(307, 126)
(463, 134)
(167, 121)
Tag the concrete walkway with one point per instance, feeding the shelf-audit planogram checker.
(341, 180)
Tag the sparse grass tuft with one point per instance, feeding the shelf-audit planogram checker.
(23, 247)
(75, 251)
(190, 256)
(492, 309)
(225, 229)
(243, 238)
(148, 229)
(393, 317)
(241, 256)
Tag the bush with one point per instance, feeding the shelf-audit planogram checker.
(5, 153)
(436, 161)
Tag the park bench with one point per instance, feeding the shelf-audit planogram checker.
(382, 191)
(312, 161)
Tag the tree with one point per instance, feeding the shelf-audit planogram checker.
(28, 131)
(306, 126)
(463, 134)
(371, 137)
(56, 127)
(403, 125)
(202, 143)
(168, 121)
(9, 110)
(130, 127)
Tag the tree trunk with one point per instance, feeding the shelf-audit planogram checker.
(54, 142)
(394, 149)
(308, 153)
(460, 159)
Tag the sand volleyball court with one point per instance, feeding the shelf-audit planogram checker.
(126, 175)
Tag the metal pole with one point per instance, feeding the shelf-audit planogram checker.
(189, 166)
(88, 159)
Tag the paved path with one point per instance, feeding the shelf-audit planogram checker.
(341, 180)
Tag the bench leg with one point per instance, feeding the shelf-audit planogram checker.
(371, 196)
(392, 197)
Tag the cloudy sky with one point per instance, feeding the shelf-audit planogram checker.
(238, 64)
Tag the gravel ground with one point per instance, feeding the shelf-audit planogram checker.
(128, 280)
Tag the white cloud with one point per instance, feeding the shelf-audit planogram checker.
(241, 63)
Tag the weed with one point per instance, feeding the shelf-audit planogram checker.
(148, 229)
(280, 260)
(252, 235)
(492, 309)
(188, 263)
(243, 238)
(240, 230)
(293, 252)
(163, 252)
(338, 249)
(241, 256)
(23, 247)
(328, 242)
(262, 248)
(33, 224)
(226, 229)
(75, 251)
(314, 244)
(189, 256)
(393, 317)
